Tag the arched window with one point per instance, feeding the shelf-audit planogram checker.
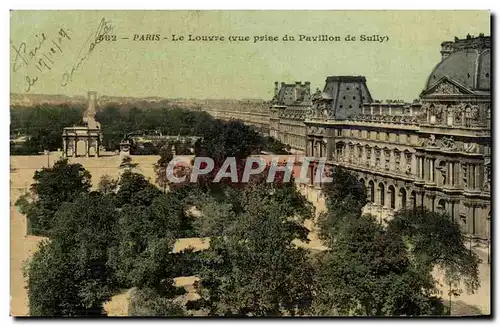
(381, 190)
(402, 193)
(392, 196)
(371, 187)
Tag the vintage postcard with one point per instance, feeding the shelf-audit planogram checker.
(250, 163)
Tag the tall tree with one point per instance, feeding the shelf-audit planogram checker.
(63, 182)
(252, 268)
(69, 276)
(133, 188)
(345, 198)
(367, 272)
(434, 240)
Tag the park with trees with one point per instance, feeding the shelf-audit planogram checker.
(120, 234)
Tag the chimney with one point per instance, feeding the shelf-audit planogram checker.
(298, 91)
(446, 49)
(275, 88)
(308, 86)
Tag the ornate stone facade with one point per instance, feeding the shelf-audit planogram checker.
(289, 108)
(434, 152)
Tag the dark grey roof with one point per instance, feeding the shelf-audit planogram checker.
(469, 67)
(286, 95)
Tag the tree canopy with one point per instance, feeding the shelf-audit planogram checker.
(123, 235)
(63, 182)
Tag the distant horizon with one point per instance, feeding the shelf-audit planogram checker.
(142, 97)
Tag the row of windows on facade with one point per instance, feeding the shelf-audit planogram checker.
(364, 157)
(413, 202)
(345, 88)
(403, 201)
(293, 140)
(467, 118)
(291, 128)
(471, 173)
(356, 133)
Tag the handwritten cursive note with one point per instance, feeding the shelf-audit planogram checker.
(41, 56)
(86, 49)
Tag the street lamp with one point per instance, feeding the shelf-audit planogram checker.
(489, 236)
(46, 152)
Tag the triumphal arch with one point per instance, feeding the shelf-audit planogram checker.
(84, 140)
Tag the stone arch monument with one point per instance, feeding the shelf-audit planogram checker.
(84, 140)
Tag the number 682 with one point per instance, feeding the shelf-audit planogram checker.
(109, 38)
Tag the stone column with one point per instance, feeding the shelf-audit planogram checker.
(65, 147)
(420, 167)
(454, 213)
(471, 176)
(478, 177)
(432, 170)
(451, 177)
(425, 168)
(472, 216)
(75, 142)
(448, 206)
(87, 147)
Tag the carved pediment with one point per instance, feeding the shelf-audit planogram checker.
(446, 86)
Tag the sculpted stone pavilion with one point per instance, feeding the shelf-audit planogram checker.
(434, 152)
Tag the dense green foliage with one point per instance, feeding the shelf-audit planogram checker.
(373, 269)
(368, 272)
(116, 123)
(69, 275)
(53, 186)
(44, 124)
(146, 302)
(123, 236)
(434, 240)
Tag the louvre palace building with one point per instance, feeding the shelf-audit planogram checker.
(433, 152)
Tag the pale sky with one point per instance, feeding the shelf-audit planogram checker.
(396, 69)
